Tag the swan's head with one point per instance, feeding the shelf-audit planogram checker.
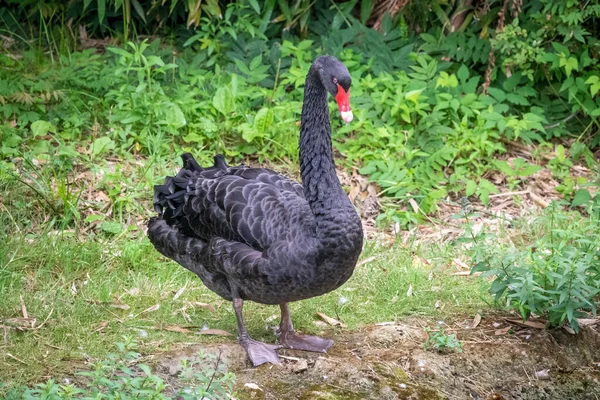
(336, 79)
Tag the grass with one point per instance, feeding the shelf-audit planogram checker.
(80, 289)
(88, 286)
(72, 250)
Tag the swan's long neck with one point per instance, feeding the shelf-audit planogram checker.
(322, 188)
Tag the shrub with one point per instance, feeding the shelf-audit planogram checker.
(556, 275)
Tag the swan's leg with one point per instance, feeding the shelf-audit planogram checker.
(258, 352)
(291, 340)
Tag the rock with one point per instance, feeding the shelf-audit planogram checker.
(543, 375)
(394, 334)
(252, 386)
(300, 366)
(253, 391)
(233, 356)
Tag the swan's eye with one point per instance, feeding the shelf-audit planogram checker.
(335, 80)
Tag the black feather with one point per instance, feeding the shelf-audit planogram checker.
(189, 163)
(256, 233)
(220, 162)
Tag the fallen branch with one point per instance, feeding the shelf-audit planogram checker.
(46, 320)
(538, 200)
(561, 122)
(509, 193)
(16, 359)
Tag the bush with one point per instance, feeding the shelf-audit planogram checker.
(432, 110)
(556, 275)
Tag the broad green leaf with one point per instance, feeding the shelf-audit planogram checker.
(560, 153)
(485, 188)
(594, 83)
(249, 133)
(93, 217)
(234, 85)
(119, 51)
(101, 10)
(498, 287)
(471, 187)
(455, 104)
(551, 58)
(561, 49)
(444, 80)
(174, 116)
(193, 39)
(41, 128)
(528, 170)
(256, 61)
(138, 9)
(366, 7)
(155, 60)
(131, 119)
(263, 120)
(480, 267)
(255, 5)
(570, 65)
(242, 67)
(428, 38)
(463, 73)
(69, 151)
(577, 149)
(413, 95)
(111, 227)
(386, 23)
(223, 101)
(102, 145)
(517, 99)
(504, 167)
(568, 83)
(582, 196)
(498, 94)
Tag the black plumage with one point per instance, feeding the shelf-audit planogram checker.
(252, 234)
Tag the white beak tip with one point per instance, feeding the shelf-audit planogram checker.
(347, 116)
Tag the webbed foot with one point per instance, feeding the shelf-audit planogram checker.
(259, 352)
(291, 340)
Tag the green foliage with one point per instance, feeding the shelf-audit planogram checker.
(442, 342)
(519, 169)
(556, 274)
(449, 132)
(424, 128)
(53, 189)
(544, 61)
(123, 376)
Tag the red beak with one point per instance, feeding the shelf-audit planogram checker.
(343, 101)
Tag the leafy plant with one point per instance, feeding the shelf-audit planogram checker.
(441, 342)
(123, 376)
(557, 275)
(53, 189)
(234, 86)
(519, 169)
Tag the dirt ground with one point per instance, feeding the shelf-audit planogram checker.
(500, 360)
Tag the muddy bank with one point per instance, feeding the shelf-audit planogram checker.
(388, 362)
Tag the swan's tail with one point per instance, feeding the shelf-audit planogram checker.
(170, 197)
(173, 244)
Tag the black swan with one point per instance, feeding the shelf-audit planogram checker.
(252, 234)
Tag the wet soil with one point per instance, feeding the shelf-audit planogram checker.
(499, 361)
